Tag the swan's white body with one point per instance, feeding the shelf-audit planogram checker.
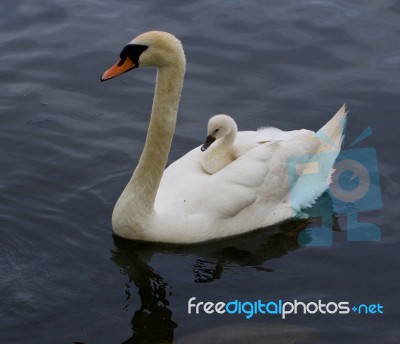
(185, 204)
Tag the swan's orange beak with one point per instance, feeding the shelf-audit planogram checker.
(118, 68)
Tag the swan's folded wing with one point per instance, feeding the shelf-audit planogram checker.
(261, 174)
(258, 179)
(186, 188)
(247, 140)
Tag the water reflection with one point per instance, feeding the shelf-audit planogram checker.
(153, 321)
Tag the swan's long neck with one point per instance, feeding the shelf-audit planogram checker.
(229, 139)
(141, 190)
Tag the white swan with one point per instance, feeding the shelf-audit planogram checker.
(221, 147)
(184, 204)
(218, 146)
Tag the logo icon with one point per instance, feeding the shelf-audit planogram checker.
(354, 189)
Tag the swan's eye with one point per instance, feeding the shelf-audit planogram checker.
(216, 130)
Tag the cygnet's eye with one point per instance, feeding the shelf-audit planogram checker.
(216, 130)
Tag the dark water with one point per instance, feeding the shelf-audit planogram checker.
(69, 144)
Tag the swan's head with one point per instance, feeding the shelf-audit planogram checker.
(153, 48)
(219, 126)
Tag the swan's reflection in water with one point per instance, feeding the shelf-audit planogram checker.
(153, 321)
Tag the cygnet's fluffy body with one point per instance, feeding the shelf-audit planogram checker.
(218, 147)
(225, 144)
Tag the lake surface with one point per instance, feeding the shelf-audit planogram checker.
(69, 144)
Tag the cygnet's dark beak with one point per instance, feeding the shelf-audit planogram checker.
(209, 140)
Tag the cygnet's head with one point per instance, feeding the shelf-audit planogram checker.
(219, 126)
(153, 48)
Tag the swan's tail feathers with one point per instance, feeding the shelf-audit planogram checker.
(332, 133)
(313, 173)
